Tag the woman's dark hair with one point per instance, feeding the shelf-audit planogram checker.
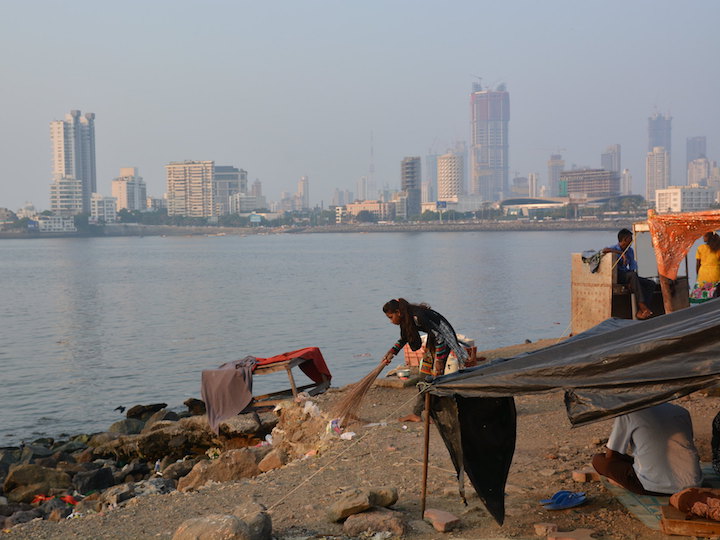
(714, 242)
(408, 329)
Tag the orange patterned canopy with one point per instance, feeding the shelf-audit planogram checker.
(674, 234)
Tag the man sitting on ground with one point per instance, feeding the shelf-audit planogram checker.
(627, 267)
(664, 458)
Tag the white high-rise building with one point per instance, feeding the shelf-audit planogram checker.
(699, 171)
(129, 189)
(657, 172)
(66, 196)
(102, 209)
(626, 182)
(73, 152)
(489, 142)
(533, 185)
(190, 188)
(304, 192)
(450, 176)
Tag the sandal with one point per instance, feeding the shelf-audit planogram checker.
(567, 500)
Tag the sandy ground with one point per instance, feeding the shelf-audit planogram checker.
(390, 454)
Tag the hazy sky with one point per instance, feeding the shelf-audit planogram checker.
(291, 88)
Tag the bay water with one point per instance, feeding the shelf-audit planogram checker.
(90, 324)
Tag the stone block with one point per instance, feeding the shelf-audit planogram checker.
(378, 520)
(442, 521)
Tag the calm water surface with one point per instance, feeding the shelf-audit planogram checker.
(89, 324)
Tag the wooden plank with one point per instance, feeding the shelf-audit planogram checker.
(674, 522)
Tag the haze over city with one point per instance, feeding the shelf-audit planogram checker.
(297, 89)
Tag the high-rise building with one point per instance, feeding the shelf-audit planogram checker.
(695, 148)
(129, 190)
(73, 152)
(610, 159)
(699, 171)
(450, 176)
(626, 182)
(363, 192)
(591, 182)
(556, 165)
(657, 172)
(660, 135)
(660, 132)
(304, 193)
(692, 198)
(533, 185)
(256, 189)
(411, 184)
(228, 181)
(489, 142)
(190, 188)
(66, 196)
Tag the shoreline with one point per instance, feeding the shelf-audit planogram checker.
(132, 229)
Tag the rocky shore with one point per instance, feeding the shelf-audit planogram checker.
(288, 474)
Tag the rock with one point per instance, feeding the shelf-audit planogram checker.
(135, 468)
(257, 520)
(543, 529)
(100, 439)
(239, 425)
(177, 470)
(196, 407)
(160, 416)
(70, 447)
(268, 420)
(375, 521)
(176, 441)
(213, 527)
(72, 468)
(31, 452)
(114, 495)
(8, 509)
(349, 503)
(442, 521)
(160, 424)
(586, 475)
(154, 486)
(143, 412)
(275, 459)
(231, 465)
(97, 480)
(42, 480)
(61, 508)
(129, 426)
(23, 516)
(384, 496)
(9, 456)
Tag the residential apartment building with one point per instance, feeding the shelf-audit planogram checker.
(591, 182)
(129, 189)
(73, 152)
(228, 181)
(657, 172)
(556, 165)
(660, 135)
(102, 209)
(684, 198)
(489, 142)
(383, 211)
(190, 188)
(411, 184)
(611, 158)
(66, 197)
(450, 173)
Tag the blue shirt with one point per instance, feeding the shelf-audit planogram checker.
(629, 264)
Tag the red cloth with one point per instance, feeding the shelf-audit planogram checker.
(314, 370)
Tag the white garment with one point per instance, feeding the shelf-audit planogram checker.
(660, 439)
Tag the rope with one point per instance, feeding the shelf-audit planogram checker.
(342, 453)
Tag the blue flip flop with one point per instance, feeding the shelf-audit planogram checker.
(561, 493)
(567, 500)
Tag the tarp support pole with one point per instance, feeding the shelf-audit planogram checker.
(667, 293)
(426, 453)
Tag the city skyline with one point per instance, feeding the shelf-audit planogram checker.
(303, 91)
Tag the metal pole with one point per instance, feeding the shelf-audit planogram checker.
(426, 453)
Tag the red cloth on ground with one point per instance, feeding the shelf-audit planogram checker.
(314, 370)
